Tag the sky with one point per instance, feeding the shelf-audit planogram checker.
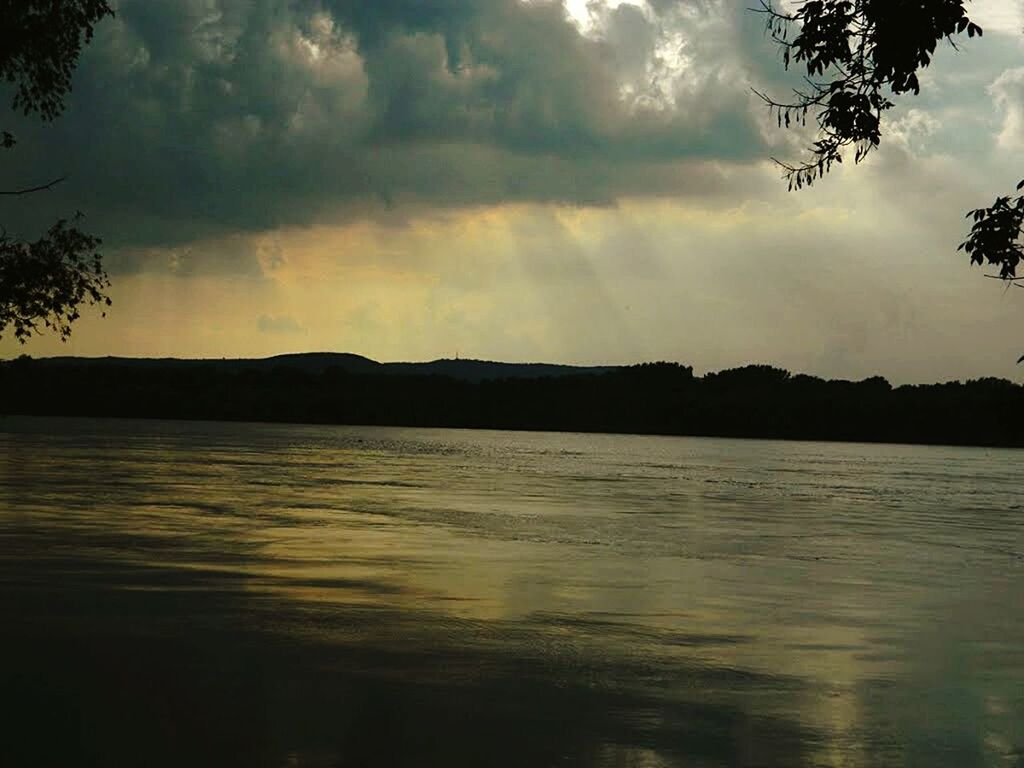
(586, 181)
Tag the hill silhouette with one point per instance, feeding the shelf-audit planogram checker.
(320, 362)
(756, 401)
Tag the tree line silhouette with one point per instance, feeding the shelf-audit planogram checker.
(755, 401)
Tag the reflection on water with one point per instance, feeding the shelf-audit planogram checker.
(180, 594)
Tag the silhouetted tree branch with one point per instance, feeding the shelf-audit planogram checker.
(995, 235)
(40, 42)
(44, 283)
(47, 281)
(30, 190)
(858, 53)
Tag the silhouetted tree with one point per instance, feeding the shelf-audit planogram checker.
(661, 398)
(46, 281)
(857, 54)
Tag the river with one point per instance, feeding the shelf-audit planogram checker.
(185, 593)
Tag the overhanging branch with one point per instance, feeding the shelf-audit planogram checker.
(29, 190)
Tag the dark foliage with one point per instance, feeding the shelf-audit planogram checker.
(856, 54)
(659, 398)
(45, 282)
(40, 41)
(995, 236)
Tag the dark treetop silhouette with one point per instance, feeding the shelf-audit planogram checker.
(654, 398)
(46, 281)
(858, 53)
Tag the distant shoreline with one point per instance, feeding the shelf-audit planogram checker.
(754, 402)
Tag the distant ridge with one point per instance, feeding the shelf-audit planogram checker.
(319, 362)
(650, 398)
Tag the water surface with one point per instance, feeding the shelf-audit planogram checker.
(264, 595)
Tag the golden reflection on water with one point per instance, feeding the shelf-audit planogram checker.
(834, 587)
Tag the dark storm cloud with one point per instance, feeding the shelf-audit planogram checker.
(230, 256)
(197, 118)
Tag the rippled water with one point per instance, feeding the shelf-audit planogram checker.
(224, 594)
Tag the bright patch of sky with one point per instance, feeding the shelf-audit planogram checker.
(998, 15)
(668, 62)
(585, 14)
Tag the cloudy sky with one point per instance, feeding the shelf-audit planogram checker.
(581, 182)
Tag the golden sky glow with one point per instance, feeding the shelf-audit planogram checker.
(542, 283)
